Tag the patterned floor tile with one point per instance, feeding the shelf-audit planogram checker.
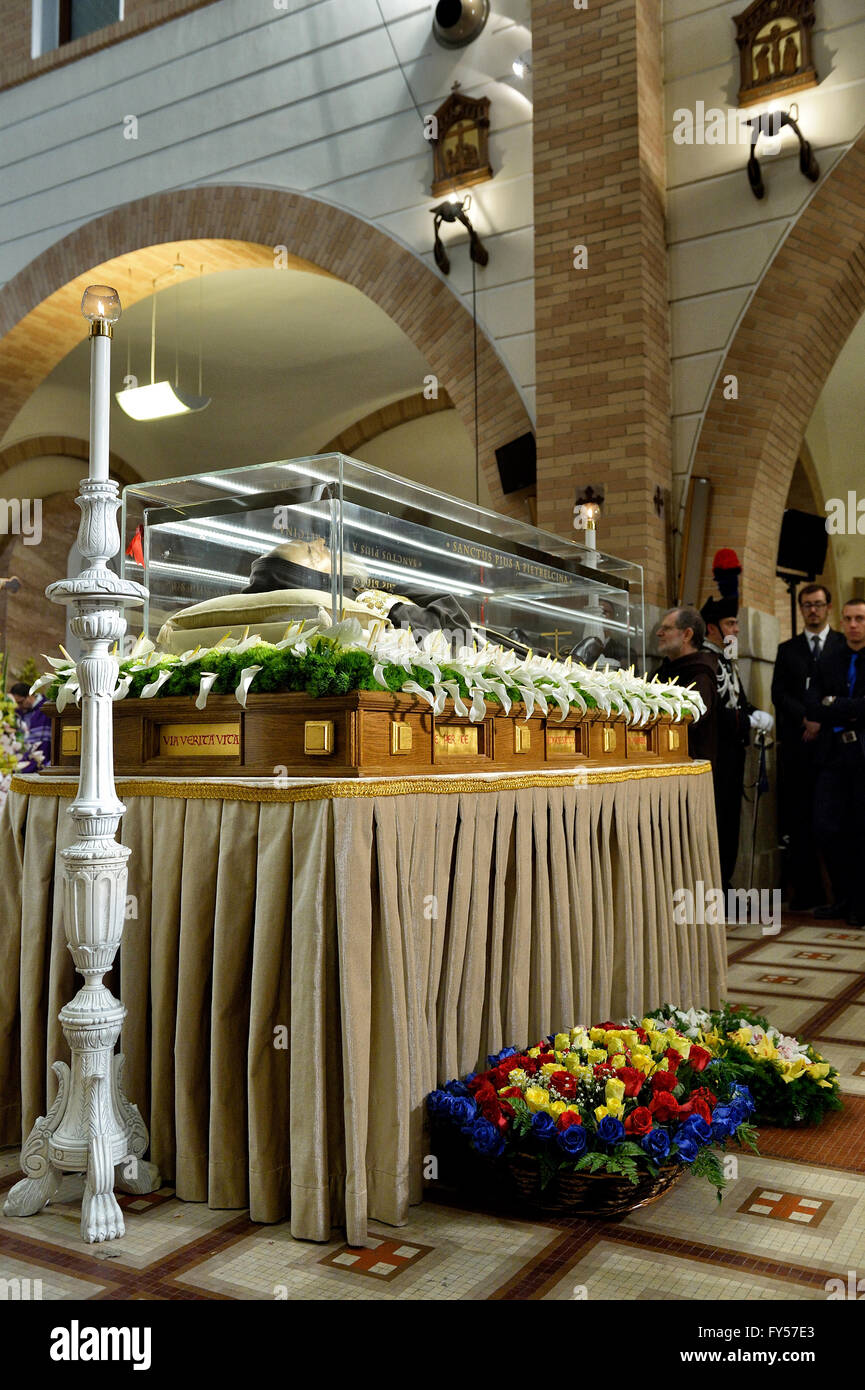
(850, 1061)
(792, 956)
(798, 980)
(611, 1270)
(789, 1015)
(691, 1213)
(849, 1026)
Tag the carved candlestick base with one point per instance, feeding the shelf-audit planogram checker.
(92, 1128)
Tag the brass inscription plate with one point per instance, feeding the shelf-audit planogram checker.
(561, 740)
(522, 739)
(638, 741)
(199, 740)
(400, 737)
(456, 741)
(70, 741)
(318, 736)
(672, 739)
(609, 740)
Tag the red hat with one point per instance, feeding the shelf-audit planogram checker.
(726, 559)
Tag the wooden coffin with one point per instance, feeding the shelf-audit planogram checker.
(368, 733)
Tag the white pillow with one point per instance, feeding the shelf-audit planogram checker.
(268, 615)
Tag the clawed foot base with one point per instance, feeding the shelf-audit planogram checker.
(30, 1195)
(101, 1217)
(134, 1175)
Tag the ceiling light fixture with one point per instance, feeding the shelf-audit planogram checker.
(522, 66)
(162, 399)
(456, 209)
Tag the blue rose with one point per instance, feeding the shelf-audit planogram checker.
(572, 1140)
(486, 1138)
(723, 1122)
(462, 1110)
(686, 1144)
(656, 1144)
(456, 1088)
(495, 1058)
(700, 1128)
(438, 1102)
(543, 1126)
(611, 1130)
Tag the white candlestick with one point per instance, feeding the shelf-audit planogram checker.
(91, 1127)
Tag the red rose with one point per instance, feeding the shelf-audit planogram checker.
(663, 1081)
(664, 1107)
(482, 1089)
(545, 1046)
(507, 1110)
(699, 1057)
(642, 1034)
(565, 1084)
(528, 1064)
(568, 1118)
(672, 1058)
(604, 1069)
(703, 1093)
(633, 1080)
(639, 1121)
(513, 1091)
(696, 1106)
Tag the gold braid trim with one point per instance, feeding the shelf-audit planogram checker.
(391, 786)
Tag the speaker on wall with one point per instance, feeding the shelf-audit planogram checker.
(802, 544)
(518, 463)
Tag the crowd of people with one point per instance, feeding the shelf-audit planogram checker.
(818, 691)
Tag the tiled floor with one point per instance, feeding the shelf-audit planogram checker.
(791, 1219)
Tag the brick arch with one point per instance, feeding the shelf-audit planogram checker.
(63, 446)
(802, 313)
(40, 323)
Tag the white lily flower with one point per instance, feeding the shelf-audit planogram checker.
(247, 676)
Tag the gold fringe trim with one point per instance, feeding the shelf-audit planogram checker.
(392, 786)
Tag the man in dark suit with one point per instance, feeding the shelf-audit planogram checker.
(835, 715)
(798, 757)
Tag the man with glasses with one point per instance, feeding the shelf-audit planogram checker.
(798, 753)
(680, 641)
(835, 708)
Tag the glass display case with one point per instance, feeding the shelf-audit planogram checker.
(333, 538)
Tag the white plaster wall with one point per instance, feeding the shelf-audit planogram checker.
(309, 99)
(721, 238)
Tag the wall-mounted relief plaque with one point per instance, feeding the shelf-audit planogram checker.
(774, 39)
(461, 148)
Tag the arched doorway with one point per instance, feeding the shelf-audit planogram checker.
(40, 320)
(799, 319)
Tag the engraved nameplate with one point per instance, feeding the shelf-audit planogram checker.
(637, 741)
(199, 740)
(456, 741)
(609, 740)
(70, 741)
(561, 740)
(672, 739)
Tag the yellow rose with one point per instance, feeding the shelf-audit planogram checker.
(649, 1025)
(614, 1092)
(614, 1045)
(617, 1111)
(643, 1063)
(561, 1042)
(658, 1042)
(597, 1035)
(680, 1045)
(629, 1038)
(549, 1067)
(537, 1098)
(533, 1052)
(618, 1060)
(596, 1054)
(573, 1064)
(517, 1077)
(601, 1111)
(556, 1107)
(574, 1109)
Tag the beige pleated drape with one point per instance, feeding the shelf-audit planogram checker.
(299, 973)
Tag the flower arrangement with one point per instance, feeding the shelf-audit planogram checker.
(790, 1081)
(13, 749)
(344, 658)
(624, 1100)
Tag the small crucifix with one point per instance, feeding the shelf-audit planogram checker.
(556, 634)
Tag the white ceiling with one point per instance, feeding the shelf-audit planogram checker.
(290, 360)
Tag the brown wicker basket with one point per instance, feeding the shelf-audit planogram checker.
(588, 1194)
